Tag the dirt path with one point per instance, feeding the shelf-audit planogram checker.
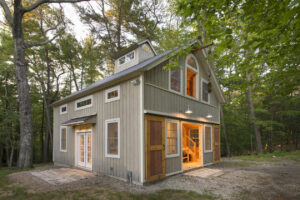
(260, 180)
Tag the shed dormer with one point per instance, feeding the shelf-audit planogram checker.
(133, 55)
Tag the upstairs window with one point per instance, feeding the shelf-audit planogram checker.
(63, 139)
(63, 109)
(84, 103)
(175, 80)
(128, 57)
(172, 138)
(207, 139)
(205, 92)
(112, 94)
(112, 138)
(191, 76)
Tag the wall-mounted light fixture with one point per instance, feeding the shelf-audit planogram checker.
(188, 111)
(135, 82)
(209, 116)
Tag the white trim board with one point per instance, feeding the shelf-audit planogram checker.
(166, 138)
(84, 99)
(107, 155)
(115, 88)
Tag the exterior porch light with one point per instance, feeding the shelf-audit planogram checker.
(188, 111)
(209, 116)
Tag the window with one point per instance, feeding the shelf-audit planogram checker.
(194, 135)
(191, 76)
(112, 138)
(63, 139)
(63, 109)
(112, 94)
(205, 93)
(84, 103)
(207, 139)
(175, 80)
(172, 138)
(128, 57)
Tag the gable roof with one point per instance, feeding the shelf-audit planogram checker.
(130, 73)
(133, 47)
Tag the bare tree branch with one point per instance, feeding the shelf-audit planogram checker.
(40, 2)
(7, 12)
(37, 44)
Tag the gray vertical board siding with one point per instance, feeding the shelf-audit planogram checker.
(128, 110)
(173, 104)
(159, 98)
(173, 165)
(143, 54)
(207, 158)
(59, 157)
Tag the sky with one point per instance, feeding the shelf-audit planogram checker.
(79, 29)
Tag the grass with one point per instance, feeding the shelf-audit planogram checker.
(9, 191)
(275, 156)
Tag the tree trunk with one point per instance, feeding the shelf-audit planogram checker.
(42, 132)
(74, 75)
(225, 132)
(26, 128)
(119, 25)
(48, 109)
(252, 115)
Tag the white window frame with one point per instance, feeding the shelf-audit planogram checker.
(107, 100)
(60, 143)
(107, 155)
(211, 139)
(126, 61)
(181, 80)
(83, 99)
(178, 143)
(65, 105)
(197, 76)
(205, 81)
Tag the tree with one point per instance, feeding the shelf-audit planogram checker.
(14, 19)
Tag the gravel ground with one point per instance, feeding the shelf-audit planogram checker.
(260, 180)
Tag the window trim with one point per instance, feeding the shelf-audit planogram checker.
(125, 58)
(60, 143)
(205, 81)
(65, 105)
(83, 99)
(108, 121)
(110, 90)
(178, 134)
(197, 76)
(211, 139)
(181, 80)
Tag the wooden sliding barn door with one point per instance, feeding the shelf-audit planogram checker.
(216, 144)
(155, 151)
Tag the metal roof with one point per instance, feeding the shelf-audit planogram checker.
(81, 120)
(139, 67)
(118, 77)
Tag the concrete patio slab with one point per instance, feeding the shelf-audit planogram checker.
(62, 175)
(205, 173)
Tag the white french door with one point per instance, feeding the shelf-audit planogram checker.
(85, 150)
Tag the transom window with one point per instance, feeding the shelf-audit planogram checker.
(172, 138)
(128, 57)
(63, 139)
(191, 76)
(84, 103)
(112, 94)
(207, 139)
(63, 109)
(112, 138)
(205, 92)
(175, 80)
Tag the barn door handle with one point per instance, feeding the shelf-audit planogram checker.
(164, 146)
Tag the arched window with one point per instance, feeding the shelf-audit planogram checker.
(191, 76)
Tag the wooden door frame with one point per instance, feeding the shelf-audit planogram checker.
(213, 131)
(88, 128)
(147, 141)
